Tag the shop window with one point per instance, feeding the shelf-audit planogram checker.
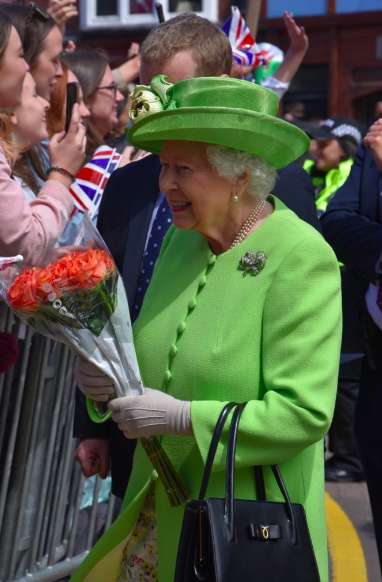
(138, 13)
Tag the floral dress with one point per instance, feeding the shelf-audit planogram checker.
(140, 556)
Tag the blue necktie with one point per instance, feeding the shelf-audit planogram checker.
(160, 226)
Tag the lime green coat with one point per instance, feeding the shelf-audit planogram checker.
(208, 334)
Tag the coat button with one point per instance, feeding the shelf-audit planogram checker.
(202, 282)
(167, 376)
(192, 304)
(173, 351)
(181, 327)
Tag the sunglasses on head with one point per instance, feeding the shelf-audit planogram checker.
(38, 12)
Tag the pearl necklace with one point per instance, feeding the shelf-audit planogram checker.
(248, 224)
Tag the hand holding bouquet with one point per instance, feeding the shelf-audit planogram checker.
(73, 300)
(77, 297)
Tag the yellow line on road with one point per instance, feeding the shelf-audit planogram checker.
(347, 557)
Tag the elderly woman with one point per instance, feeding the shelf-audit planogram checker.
(244, 305)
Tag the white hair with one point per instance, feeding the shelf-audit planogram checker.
(233, 164)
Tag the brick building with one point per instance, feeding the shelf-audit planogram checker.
(342, 72)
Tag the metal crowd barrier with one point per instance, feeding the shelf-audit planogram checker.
(44, 534)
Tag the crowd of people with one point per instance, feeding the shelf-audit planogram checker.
(217, 176)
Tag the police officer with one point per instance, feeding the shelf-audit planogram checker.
(334, 145)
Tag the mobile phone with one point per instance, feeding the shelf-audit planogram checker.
(71, 99)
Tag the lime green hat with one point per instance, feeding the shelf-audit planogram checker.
(215, 110)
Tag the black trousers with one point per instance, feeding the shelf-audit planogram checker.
(368, 428)
(342, 440)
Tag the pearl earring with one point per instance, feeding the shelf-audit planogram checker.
(235, 198)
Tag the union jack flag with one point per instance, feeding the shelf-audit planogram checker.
(91, 180)
(244, 48)
(238, 31)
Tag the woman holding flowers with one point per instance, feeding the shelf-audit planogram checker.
(244, 305)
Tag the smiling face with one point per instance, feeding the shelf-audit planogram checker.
(103, 105)
(13, 69)
(47, 67)
(199, 198)
(328, 154)
(30, 115)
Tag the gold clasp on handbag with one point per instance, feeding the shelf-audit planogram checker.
(265, 532)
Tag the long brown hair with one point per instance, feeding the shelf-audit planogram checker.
(33, 26)
(5, 32)
(5, 120)
(27, 166)
(89, 67)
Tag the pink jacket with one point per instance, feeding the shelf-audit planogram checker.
(29, 229)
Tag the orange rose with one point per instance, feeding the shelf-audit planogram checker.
(79, 270)
(45, 284)
(22, 295)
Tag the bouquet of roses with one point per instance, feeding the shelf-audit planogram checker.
(77, 297)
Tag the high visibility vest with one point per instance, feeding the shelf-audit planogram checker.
(332, 181)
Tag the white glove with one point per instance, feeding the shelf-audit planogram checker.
(92, 382)
(152, 413)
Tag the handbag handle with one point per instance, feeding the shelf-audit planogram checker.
(230, 479)
(213, 446)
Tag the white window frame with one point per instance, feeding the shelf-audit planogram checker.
(90, 21)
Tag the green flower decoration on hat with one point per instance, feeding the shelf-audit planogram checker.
(215, 110)
(148, 100)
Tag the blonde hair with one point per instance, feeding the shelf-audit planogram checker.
(21, 160)
(7, 143)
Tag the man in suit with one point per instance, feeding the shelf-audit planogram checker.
(183, 47)
(353, 227)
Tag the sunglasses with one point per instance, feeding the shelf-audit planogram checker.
(38, 12)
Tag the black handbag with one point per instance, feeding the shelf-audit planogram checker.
(226, 540)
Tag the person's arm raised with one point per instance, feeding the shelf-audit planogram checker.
(62, 10)
(299, 44)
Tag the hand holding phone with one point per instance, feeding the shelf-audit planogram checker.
(67, 150)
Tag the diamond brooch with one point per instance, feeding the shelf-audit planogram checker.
(252, 263)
